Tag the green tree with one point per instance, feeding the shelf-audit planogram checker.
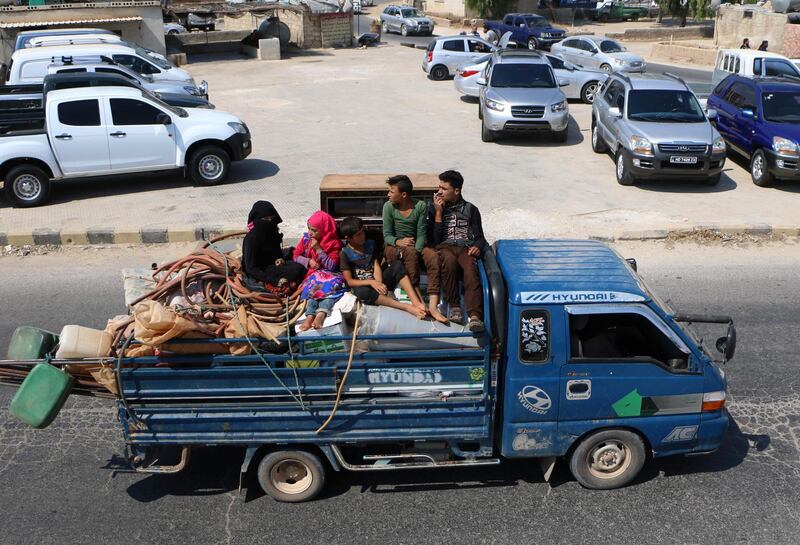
(493, 8)
(676, 8)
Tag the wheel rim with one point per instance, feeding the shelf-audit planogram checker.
(606, 68)
(27, 187)
(620, 166)
(403, 30)
(608, 459)
(589, 92)
(211, 167)
(291, 476)
(758, 167)
(531, 44)
(385, 28)
(594, 136)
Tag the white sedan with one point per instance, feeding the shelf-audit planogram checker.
(583, 82)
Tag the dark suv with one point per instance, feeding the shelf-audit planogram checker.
(760, 119)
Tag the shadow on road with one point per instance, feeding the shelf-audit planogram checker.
(543, 139)
(789, 186)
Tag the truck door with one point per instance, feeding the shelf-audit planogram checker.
(530, 398)
(140, 136)
(78, 135)
(626, 367)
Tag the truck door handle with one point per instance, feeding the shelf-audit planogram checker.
(118, 134)
(64, 136)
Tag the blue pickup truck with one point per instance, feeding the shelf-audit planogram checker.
(759, 119)
(527, 29)
(580, 362)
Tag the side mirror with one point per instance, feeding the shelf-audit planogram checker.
(711, 113)
(594, 52)
(563, 82)
(748, 113)
(481, 81)
(164, 119)
(615, 112)
(727, 345)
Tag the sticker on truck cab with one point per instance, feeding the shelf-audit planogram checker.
(580, 297)
(535, 399)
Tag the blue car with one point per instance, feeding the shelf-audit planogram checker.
(760, 119)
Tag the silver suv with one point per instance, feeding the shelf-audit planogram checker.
(405, 20)
(520, 93)
(656, 128)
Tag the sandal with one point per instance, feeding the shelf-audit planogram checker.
(476, 326)
(456, 316)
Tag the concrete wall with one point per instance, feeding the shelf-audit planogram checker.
(149, 32)
(735, 23)
(336, 29)
(307, 30)
(446, 7)
(684, 52)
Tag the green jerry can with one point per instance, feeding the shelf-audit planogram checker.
(41, 395)
(31, 343)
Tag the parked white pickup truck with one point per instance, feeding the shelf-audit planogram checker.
(113, 130)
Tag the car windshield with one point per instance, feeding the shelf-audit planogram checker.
(180, 112)
(781, 107)
(412, 13)
(150, 55)
(664, 106)
(537, 22)
(522, 75)
(610, 46)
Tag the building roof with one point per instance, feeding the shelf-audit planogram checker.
(567, 271)
(37, 23)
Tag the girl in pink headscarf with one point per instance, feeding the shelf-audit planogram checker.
(318, 251)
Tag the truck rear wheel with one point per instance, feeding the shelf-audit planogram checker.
(291, 475)
(209, 165)
(607, 459)
(27, 186)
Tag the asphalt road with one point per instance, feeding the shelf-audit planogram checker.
(66, 484)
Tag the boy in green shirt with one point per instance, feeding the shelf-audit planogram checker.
(405, 226)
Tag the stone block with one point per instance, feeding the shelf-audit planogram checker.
(269, 49)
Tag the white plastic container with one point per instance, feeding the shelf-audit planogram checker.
(83, 342)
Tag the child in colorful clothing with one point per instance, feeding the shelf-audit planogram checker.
(362, 272)
(318, 251)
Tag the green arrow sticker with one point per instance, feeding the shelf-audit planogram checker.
(629, 405)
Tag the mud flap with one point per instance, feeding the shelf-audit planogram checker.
(547, 465)
(248, 457)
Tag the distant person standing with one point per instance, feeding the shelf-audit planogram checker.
(745, 44)
(764, 45)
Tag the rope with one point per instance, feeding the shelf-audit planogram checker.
(120, 391)
(346, 371)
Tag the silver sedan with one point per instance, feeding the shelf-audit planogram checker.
(583, 82)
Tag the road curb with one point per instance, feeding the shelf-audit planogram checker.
(193, 233)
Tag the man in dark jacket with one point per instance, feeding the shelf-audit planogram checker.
(457, 234)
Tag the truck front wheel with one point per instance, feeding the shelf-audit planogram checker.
(291, 475)
(209, 165)
(532, 43)
(27, 186)
(607, 459)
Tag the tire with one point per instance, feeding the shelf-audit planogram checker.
(486, 134)
(480, 112)
(607, 459)
(172, 32)
(605, 67)
(403, 30)
(588, 91)
(384, 28)
(712, 180)
(439, 72)
(209, 165)
(598, 144)
(561, 136)
(623, 169)
(604, 18)
(291, 475)
(759, 170)
(27, 186)
(532, 43)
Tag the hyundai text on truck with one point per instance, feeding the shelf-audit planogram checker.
(112, 130)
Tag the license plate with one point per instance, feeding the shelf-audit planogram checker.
(683, 160)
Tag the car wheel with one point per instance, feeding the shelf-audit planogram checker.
(486, 134)
(384, 28)
(532, 43)
(561, 136)
(606, 68)
(623, 170)
(480, 111)
(604, 18)
(607, 459)
(712, 180)
(291, 475)
(588, 91)
(27, 186)
(209, 165)
(759, 170)
(439, 72)
(598, 144)
(172, 32)
(403, 30)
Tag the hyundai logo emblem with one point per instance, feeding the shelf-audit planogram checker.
(528, 110)
(683, 148)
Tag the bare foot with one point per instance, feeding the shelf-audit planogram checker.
(420, 313)
(306, 323)
(421, 306)
(438, 316)
(319, 320)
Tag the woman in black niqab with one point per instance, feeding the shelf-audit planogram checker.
(262, 255)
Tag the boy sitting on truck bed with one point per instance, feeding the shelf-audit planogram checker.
(359, 263)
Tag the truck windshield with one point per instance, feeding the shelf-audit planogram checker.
(781, 107)
(522, 75)
(537, 22)
(610, 46)
(664, 106)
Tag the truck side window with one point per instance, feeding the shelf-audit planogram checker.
(777, 67)
(620, 337)
(127, 111)
(114, 71)
(534, 336)
(79, 113)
